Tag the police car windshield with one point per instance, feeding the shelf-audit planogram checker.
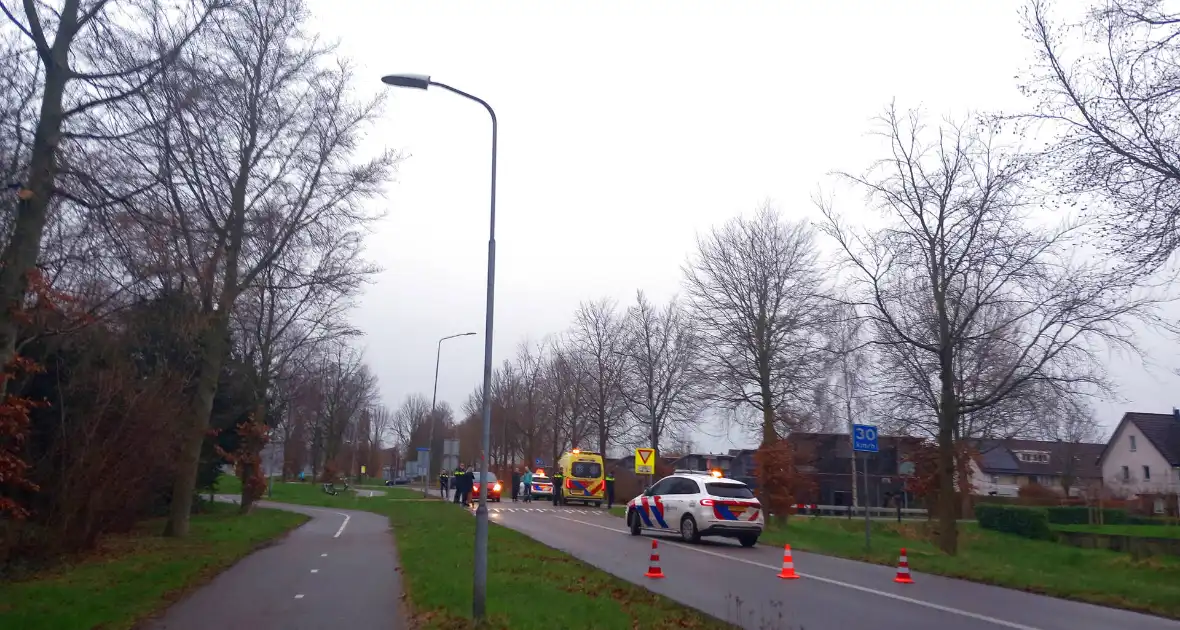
(729, 490)
(587, 470)
(540, 479)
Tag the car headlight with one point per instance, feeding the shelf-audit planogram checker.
(496, 487)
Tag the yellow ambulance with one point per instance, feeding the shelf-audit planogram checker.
(584, 477)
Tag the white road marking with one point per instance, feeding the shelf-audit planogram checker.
(315, 570)
(299, 596)
(323, 555)
(342, 525)
(855, 587)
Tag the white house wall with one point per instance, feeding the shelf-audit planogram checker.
(1119, 454)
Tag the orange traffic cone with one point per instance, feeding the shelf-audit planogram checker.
(903, 569)
(788, 572)
(653, 566)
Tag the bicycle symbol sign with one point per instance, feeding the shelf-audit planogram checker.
(864, 438)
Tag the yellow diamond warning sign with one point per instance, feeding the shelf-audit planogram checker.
(645, 461)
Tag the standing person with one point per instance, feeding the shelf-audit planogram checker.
(443, 480)
(515, 484)
(610, 489)
(558, 480)
(468, 485)
(457, 482)
(527, 479)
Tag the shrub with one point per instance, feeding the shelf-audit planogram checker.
(1022, 521)
(1080, 515)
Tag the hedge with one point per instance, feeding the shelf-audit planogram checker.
(1080, 515)
(1022, 521)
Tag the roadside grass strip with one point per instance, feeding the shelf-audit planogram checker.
(1097, 576)
(530, 586)
(130, 577)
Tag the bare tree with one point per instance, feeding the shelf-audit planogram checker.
(757, 290)
(251, 149)
(598, 336)
(94, 61)
(1070, 421)
(300, 301)
(1113, 104)
(661, 383)
(566, 390)
(960, 266)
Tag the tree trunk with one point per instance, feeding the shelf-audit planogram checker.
(948, 533)
(24, 243)
(200, 407)
(249, 467)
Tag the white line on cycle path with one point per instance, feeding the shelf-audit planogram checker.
(855, 587)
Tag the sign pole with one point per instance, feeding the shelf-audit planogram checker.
(868, 524)
(864, 440)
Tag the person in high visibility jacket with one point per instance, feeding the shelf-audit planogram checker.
(457, 482)
(558, 487)
(443, 479)
(610, 489)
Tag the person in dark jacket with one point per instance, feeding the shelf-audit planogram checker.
(468, 485)
(515, 484)
(443, 480)
(558, 480)
(610, 489)
(457, 483)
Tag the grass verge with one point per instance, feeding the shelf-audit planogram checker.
(133, 576)
(1093, 575)
(530, 586)
(1142, 531)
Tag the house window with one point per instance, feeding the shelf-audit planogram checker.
(1147, 473)
(1132, 438)
(1033, 457)
(995, 479)
(1126, 473)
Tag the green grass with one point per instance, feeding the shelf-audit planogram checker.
(133, 576)
(1092, 575)
(1145, 531)
(530, 586)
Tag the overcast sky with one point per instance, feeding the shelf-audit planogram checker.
(625, 129)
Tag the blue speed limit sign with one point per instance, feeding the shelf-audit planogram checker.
(864, 438)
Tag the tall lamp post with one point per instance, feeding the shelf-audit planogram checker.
(433, 400)
(479, 589)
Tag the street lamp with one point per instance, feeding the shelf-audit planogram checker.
(479, 590)
(433, 399)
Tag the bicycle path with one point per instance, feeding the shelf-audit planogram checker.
(338, 570)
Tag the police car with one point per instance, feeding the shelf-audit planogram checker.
(696, 504)
(542, 485)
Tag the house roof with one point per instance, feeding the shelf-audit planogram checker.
(999, 457)
(1162, 430)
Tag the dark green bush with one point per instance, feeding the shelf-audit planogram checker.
(1079, 515)
(1022, 521)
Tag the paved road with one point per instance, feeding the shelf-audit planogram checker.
(738, 585)
(336, 571)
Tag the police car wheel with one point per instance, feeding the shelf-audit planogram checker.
(688, 529)
(748, 541)
(633, 521)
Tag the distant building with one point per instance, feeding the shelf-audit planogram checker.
(1003, 467)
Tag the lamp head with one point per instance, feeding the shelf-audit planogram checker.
(416, 81)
